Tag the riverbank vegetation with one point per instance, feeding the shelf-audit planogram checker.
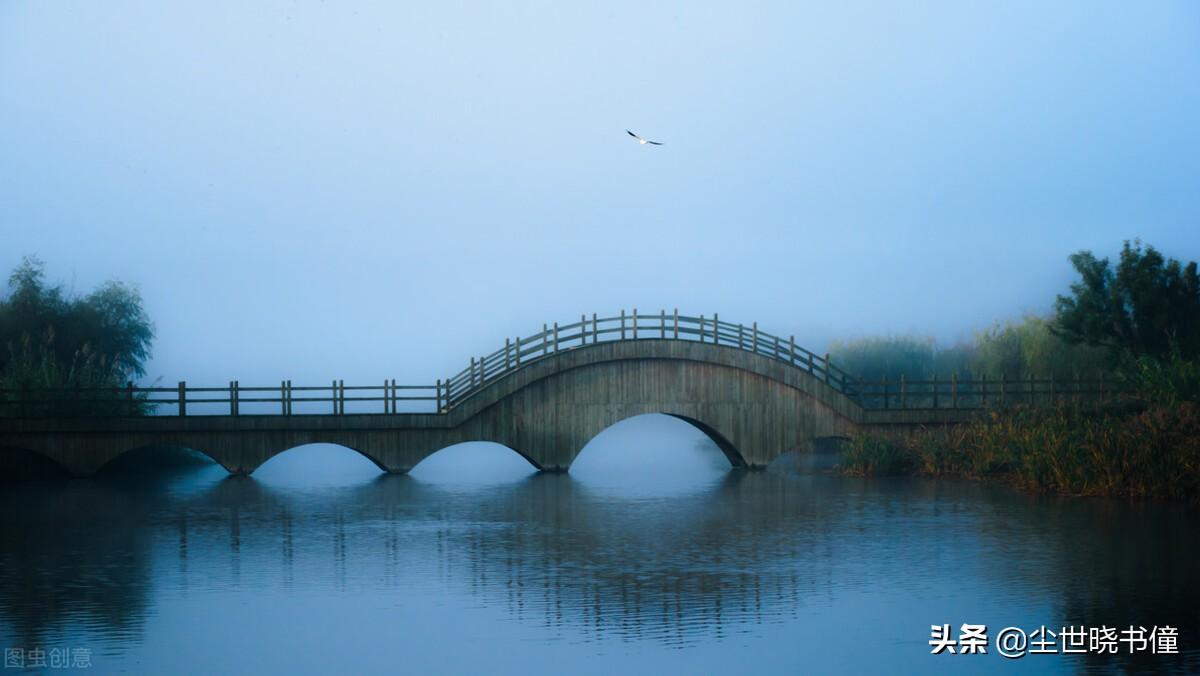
(1015, 349)
(1138, 320)
(62, 344)
(1153, 451)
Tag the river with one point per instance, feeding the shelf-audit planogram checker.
(651, 556)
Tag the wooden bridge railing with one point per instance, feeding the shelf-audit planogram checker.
(390, 398)
(235, 399)
(554, 338)
(952, 393)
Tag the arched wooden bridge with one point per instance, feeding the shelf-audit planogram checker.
(754, 394)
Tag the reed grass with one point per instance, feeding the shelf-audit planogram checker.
(1150, 450)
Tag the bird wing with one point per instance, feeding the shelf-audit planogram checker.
(654, 143)
(632, 134)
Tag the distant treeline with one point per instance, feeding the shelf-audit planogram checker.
(1015, 349)
(1131, 318)
(1138, 319)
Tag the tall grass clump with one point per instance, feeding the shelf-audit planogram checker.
(1069, 449)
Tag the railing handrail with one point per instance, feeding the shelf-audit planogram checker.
(518, 352)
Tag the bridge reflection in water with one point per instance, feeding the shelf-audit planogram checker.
(720, 560)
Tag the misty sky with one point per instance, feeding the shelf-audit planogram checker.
(369, 190)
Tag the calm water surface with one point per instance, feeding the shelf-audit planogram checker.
(650, 557)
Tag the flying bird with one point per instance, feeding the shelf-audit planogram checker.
(642, 141)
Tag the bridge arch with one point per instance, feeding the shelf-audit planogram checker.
(709, 432)
(19, 462)
(731, 453)
(376, 461)
(122, 455)
(500, 448)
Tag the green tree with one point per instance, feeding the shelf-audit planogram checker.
(49, 339)
(1144, 306)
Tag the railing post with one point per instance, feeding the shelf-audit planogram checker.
(507, 349)
(595, 329)
(754, 344)
(676, 323)
(283, 402)
(555, 345)
(471, 373)
(182, 398)
(437, 396)
(622, 324)
(741, 337)
(129, 397)
(545, 346)
(791, 349)
(827, 369)
(811, 366)
(333, 396)
(233, 397)
(482, 372)
(635, 323)
(903, 392)
(716, 329)
(701, 328)
(517, 351)
(935, 391)
(289, 396)
(954, 390)
(583, 329)
(662, 324)
(777, 347)
(885, 392)
(387, 396)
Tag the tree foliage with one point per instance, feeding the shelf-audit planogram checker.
(1144, 306)
(49, 338)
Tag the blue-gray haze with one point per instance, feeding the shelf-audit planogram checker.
(379, 189)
